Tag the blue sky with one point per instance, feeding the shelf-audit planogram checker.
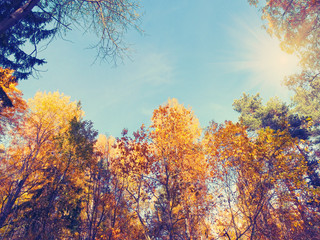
(205, 53)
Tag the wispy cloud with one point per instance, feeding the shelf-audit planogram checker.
(146, 111)
(154, 69)
(146, 75)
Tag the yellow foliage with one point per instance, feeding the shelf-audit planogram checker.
(53, 110)
(265, 177)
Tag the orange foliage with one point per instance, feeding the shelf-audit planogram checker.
(263, 186)
(11, 115)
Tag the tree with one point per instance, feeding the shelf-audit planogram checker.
(165, 175)
(33, 21)
(293, 21)
(53, 207)
(279, 117)
(261, 183)
(9, 95)
(57, 182)
(133, 170)
(99, 198)
(107, 210)
(180, 173)
(296, 24)
(275, 114)
(6, 80)
(166, 182)
(32, 155)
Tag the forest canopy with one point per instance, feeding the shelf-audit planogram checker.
(255, 178)
(170, 180)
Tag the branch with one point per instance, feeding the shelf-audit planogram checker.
(17, 15)
(287, 8)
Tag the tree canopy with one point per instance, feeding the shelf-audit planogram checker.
(167, 181)
(296, 24)
(33, 21)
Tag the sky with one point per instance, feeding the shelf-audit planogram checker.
(204, 53)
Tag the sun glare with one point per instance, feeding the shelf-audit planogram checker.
(260, 55)
(266, 56)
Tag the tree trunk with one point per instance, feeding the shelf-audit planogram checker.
(10, 202)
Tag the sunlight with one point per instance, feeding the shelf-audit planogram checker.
(260, 55)
(265, 56)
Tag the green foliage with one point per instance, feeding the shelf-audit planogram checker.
(306, 87)
(250, 108)
(30, 30)
(81, 137)
(274, 114)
